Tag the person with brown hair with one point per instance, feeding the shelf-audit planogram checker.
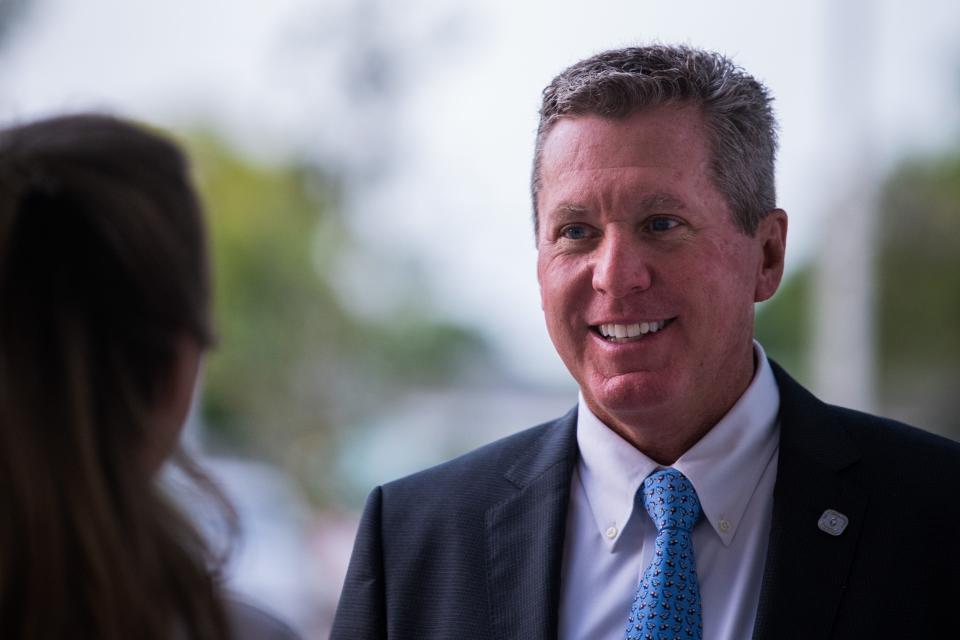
(104, 318)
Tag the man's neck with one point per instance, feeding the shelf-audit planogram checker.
(667, 432)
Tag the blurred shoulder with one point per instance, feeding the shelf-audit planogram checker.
(249, 621)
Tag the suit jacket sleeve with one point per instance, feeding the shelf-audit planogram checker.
(361, 612)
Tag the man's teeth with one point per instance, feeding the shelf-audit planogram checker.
(631, 330)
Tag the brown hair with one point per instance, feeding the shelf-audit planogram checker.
(737, 110)
(103, 268)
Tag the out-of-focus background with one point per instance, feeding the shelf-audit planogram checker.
(365, 167)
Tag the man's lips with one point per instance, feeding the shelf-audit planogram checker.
(629, 331)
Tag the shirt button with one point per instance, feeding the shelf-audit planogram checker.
(611, 532)
(724, 525)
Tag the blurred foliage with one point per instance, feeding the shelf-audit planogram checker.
(917, 298)
(918, 290)
(294, 366)
(784, 323)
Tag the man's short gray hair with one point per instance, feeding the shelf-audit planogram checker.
(736, 108)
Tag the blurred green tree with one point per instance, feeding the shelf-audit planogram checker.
(918, 291)
(784, 324)
(294, 366)
(917, 298)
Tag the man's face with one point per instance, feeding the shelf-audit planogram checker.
(646, 283)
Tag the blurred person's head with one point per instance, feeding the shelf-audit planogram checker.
(104, 314)
(736, 108)
(657, 231)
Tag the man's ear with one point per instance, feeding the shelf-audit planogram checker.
(539, 282)
(771, 233)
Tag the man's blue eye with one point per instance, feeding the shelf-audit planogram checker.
(662, 224)
(575, 232)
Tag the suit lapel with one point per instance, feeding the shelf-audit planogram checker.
(806, 569)
(525, 536)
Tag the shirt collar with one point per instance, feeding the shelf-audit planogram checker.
(724, 466)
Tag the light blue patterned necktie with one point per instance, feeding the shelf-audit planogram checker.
(667, 603)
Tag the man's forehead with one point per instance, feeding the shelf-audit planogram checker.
(604, 141)
(690, 114)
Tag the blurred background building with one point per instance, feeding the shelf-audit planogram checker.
(365, 167)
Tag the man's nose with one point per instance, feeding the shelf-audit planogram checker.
(621, 267)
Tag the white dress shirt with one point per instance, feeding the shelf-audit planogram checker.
(609, 543)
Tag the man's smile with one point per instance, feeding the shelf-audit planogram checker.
(630, 331)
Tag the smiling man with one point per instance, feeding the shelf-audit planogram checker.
(647, 282)
(696, 491)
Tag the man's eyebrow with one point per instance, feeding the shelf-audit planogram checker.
(567, 211)
(655, 202)
(661, 202)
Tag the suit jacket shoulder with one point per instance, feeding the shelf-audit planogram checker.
(886, 458)
(896, 549)
(472, 545)
(480, 477)
(908, 454)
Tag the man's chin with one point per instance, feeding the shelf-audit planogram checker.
(630, 393)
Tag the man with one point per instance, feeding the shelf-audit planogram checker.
(696, 491)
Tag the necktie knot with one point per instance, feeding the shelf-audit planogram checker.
(671, 500)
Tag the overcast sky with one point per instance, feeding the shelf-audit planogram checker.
(466, 82)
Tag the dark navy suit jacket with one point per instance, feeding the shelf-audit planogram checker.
(473, 548)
